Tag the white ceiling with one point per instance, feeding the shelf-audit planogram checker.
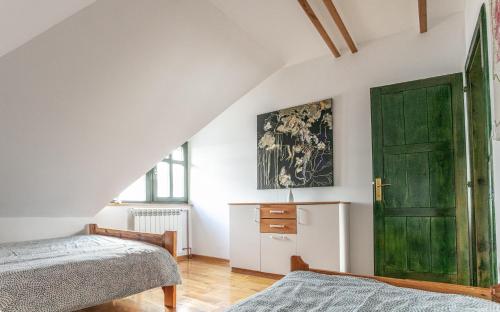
(281, 26)
(22, 20)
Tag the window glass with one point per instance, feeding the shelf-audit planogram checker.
(163, 179)
(178, 154)
(166, 182)
(178, 180)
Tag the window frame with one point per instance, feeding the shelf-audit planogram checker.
(151, 197)
(171, 162)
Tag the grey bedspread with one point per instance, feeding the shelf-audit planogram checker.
(307, 291)
(72, 273)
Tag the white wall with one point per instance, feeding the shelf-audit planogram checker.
(471, 12)
(97, 100)
(224, 152)
(113, 216)
(22, 229)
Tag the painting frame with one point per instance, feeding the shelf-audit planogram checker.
(295, 147)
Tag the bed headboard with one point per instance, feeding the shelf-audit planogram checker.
(492, 293)
(167, 240)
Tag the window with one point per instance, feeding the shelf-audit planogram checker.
(166, 182)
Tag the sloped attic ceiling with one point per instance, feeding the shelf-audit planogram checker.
(94, 102)
(22, 20)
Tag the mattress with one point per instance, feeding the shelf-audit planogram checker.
(72, 273)
(313, 292)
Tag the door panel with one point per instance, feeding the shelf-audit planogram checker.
(442, 186)
(439, 113)
(415, 108)
(443, 245)
(244, 237)
(393, 110)
(419, 242)
(414, 145)
(417, 180)
(395, 244)
(276, 250)
(395, 173)
(319, 230)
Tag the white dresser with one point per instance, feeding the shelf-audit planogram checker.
(263, 236)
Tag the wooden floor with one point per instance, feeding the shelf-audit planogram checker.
(207, 286)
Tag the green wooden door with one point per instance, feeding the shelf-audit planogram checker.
(483, 263)
(421, 223)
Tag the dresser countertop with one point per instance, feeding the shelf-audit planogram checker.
(292, 203)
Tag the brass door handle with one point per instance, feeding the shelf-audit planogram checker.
(378, 188)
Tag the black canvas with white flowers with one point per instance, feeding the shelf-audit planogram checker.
(295, 147)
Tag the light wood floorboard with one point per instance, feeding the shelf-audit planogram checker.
(207, 286)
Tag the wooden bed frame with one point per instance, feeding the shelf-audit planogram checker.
(493, 293)
(167, 240)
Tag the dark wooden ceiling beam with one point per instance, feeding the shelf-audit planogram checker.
(340, 24)
(422, 15)
(314, 19)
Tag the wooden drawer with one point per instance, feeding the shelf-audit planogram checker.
(278, 211)
(280, 226)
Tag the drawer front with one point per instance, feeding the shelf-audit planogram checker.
(278, 211)
(276, 250)
(280, 226)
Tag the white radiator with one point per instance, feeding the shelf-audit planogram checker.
(159, 220)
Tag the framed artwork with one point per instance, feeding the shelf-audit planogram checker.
(295, 147)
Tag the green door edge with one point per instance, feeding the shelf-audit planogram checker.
(462, 218)
(480, 39)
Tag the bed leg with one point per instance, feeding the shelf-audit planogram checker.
(170, 296)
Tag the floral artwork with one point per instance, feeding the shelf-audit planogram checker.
(295, 147)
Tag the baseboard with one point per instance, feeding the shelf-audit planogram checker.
(225, 262)
(182, 258)
(213, 260)
(257, 273)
